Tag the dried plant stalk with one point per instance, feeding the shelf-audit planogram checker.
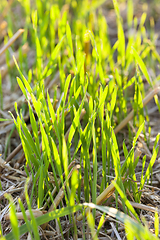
(146, 100)
(11, 41)
(36, 213)
(4, 69)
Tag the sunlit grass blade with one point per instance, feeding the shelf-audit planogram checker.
(22, 87)
(75, 122)
(25, 82)
(46, 218)
(94, 184)
(33, 219)
(91, 223)
(152, 161)
(70, 44)
(121, 37)
(13, 218)
(138, 230)
(142, 66)
(28, 150)
(156, 224)
(25, 217)
(41, 186)
(34, 128)
(127, 203)
(53, 56)
(130, 9)
(101, 116)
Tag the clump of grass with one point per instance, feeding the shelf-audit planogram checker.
(71, 148)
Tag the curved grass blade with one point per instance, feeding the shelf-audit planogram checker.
(138, 230)
(46, 218)
(142, 66)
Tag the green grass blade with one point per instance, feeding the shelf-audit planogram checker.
(13, 218)
(142, 66)
(46, 218)
(139, 231)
